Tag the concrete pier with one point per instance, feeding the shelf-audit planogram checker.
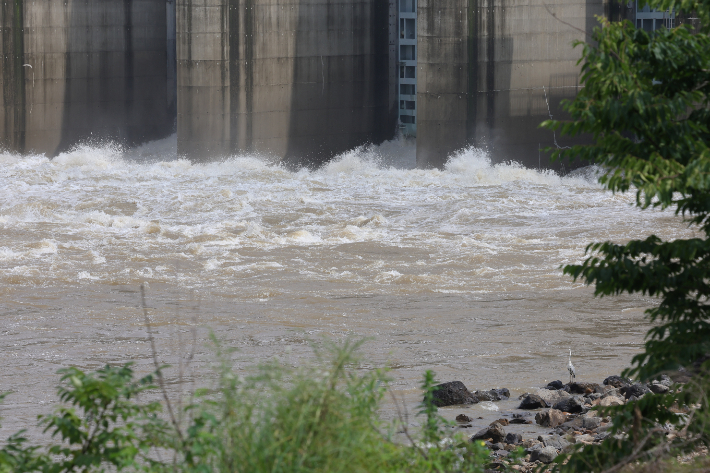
(77, 71)
(296, 80)
(491, 70)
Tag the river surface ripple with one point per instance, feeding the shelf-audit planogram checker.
(456, 270)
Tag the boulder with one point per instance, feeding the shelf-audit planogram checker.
(584, 388)
(532, 401)
(520, 420)
(452, 393)
(552, 397)
(658, 388)
(617, 381)
(544, 455)
(550, 418)
(573, 405)
(493, 395)
(502, 393)
(665, 380)
(555, 441)
(495, 432)
(637, 390)
(591, 423)
(586, 439)
(513, 439)
(611, 401)
(554, 385)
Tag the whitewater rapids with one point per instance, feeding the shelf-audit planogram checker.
(455, 270)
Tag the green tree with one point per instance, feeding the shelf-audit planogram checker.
(646, 104)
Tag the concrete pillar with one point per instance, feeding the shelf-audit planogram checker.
(295, 80)
(83, 70)
(491, 70)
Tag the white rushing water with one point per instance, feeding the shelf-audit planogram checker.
(456, 270)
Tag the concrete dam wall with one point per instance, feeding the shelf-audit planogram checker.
(295, 80)
(491, 70)
(80, 70)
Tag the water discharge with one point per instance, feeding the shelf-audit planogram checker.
(454, 270)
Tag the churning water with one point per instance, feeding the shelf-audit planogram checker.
(455, 270)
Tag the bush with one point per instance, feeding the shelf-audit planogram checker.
(319, 417)
(646, 103)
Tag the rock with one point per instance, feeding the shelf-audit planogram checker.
(493, 395)
(658, 388)
(503, 422)
(555, 385)
(497, 446)
(573, 405)
(452, 394)
(513, 439)
(617, 381)
(463, 418)
(552, 397)
(665, 380)
(550, 418)
(530, 443)
(611, 401)
(584, 388)
(637, 390)
(495, 432)
(601, 436)
(594, 396)
(591, 423)
(586, 439)
(555, 441)
(545, 455)
(520, 420)
(532, 401)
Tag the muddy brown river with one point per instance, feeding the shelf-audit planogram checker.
(456, 270)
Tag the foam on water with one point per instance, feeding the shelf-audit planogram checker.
(127, 212)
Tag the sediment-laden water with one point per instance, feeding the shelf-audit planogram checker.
(455, 270)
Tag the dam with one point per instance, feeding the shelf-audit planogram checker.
(299, 81)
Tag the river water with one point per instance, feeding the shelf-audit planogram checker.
(456, 270)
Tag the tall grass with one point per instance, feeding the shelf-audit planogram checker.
(320, 417)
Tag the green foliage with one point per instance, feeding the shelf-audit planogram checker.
(646, 104)
(320, 417)
(102, 423)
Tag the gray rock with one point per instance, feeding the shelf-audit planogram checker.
(637, 390)
(513, 439)
(550, 418)
(594, 396)
(573, 405)
(584, 388)
(495, 432)
(611, 401)
(555, 441)
(545, 455)
(591, 423)
(658, 388)
(452, 394)
(555, 385)
(532, 401)
(497, 446)
(552, 397)
(665, 380)
(601, 436)
(617, 381)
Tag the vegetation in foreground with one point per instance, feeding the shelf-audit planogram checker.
(322, 417)
(646, 103)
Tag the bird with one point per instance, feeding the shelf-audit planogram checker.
(570, 367)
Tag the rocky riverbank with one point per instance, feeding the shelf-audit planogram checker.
(565, 409)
